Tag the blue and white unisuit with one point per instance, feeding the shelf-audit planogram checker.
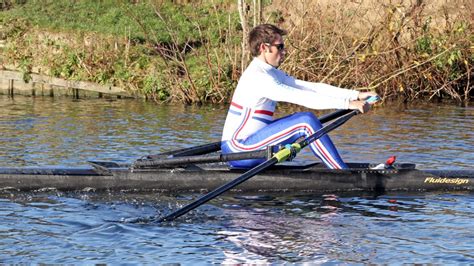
(250, 125)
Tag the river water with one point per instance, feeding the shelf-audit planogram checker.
(52, 226)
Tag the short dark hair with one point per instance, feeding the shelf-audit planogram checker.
(263, 33)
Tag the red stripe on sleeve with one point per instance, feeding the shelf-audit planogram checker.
(236, 105)
(264, 112)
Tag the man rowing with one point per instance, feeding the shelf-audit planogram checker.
(250, 126)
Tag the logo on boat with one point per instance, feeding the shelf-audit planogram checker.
(444, 180)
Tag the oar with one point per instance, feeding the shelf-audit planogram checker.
(161, 159)
(197, 159)
(331, 116)
(280, 156)
(196, 150)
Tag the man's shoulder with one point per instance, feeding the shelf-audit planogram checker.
(254, 72)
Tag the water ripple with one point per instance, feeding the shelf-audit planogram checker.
(57, 227)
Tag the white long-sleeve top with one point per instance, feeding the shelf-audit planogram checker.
(261, 86)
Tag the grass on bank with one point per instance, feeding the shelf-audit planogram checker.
(165, 51)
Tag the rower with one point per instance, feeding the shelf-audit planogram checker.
(250, 125)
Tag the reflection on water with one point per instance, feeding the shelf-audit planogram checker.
(390, 228)
(57, 227)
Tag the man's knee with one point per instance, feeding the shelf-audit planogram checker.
(308, 117)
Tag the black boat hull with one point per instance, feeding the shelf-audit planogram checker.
(283, 178)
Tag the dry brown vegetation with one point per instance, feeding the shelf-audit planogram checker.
(403, 49)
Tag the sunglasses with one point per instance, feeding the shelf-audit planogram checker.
(279, 46)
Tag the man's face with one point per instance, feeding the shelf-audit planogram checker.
(274, 53)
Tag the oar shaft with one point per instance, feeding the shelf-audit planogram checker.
(173, 161)
(331, 116)
(196, 150)
(280, 156)
(218, 191)
(328, 128)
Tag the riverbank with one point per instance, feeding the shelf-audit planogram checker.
(15, 83)
(192, 52)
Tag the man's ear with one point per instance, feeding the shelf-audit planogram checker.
(263, 48)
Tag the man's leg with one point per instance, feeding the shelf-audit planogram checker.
(283, 131)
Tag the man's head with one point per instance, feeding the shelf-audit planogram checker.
(266, 43)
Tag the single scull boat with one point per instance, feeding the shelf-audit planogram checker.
(201, 168)
(286, 177)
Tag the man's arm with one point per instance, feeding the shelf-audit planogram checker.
(276, 90)
(322, 88)
(356, 98)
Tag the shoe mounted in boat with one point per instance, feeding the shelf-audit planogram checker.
(387, 165)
